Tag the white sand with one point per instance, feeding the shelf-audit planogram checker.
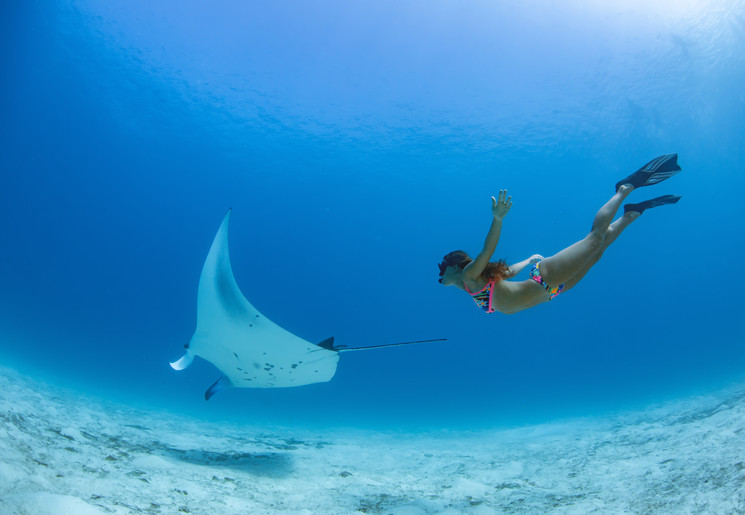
(62, 453)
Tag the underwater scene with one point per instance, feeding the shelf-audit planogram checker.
(228, 280)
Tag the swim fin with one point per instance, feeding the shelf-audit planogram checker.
(657, 170)
(659, 201)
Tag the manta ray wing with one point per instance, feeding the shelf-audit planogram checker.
(249, 349)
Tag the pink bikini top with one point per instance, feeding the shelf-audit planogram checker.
(483, 298)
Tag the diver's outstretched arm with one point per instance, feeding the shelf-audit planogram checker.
(499, 209)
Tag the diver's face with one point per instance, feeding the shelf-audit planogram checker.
(450, 275)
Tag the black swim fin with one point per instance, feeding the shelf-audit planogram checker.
(659, 201)
(657, 170)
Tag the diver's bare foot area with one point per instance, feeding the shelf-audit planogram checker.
(63, 454)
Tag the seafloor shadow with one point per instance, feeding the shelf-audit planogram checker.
(268, 464)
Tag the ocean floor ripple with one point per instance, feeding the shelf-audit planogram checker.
(63, 453)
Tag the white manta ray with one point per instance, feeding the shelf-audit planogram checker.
(250, 350)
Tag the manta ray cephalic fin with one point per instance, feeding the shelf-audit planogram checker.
(220, 384)
(182, 363)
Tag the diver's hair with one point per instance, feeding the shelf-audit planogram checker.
(494, 271)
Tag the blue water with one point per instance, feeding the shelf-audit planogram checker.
(357, 143)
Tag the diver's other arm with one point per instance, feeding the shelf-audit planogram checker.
(518, 267)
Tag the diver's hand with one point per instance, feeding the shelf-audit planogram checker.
(499, 208)
(535, 258)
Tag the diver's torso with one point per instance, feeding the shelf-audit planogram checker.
(513, 296)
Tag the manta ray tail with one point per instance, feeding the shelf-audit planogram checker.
(184, 362)
(220, 384)
(342, 348)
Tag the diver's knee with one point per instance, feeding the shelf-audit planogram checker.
(595, 240)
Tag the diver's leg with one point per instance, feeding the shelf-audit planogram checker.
(567, 263)
(615, 229)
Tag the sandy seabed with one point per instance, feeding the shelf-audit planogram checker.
(64, 453)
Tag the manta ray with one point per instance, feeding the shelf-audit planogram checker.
(250, 350)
